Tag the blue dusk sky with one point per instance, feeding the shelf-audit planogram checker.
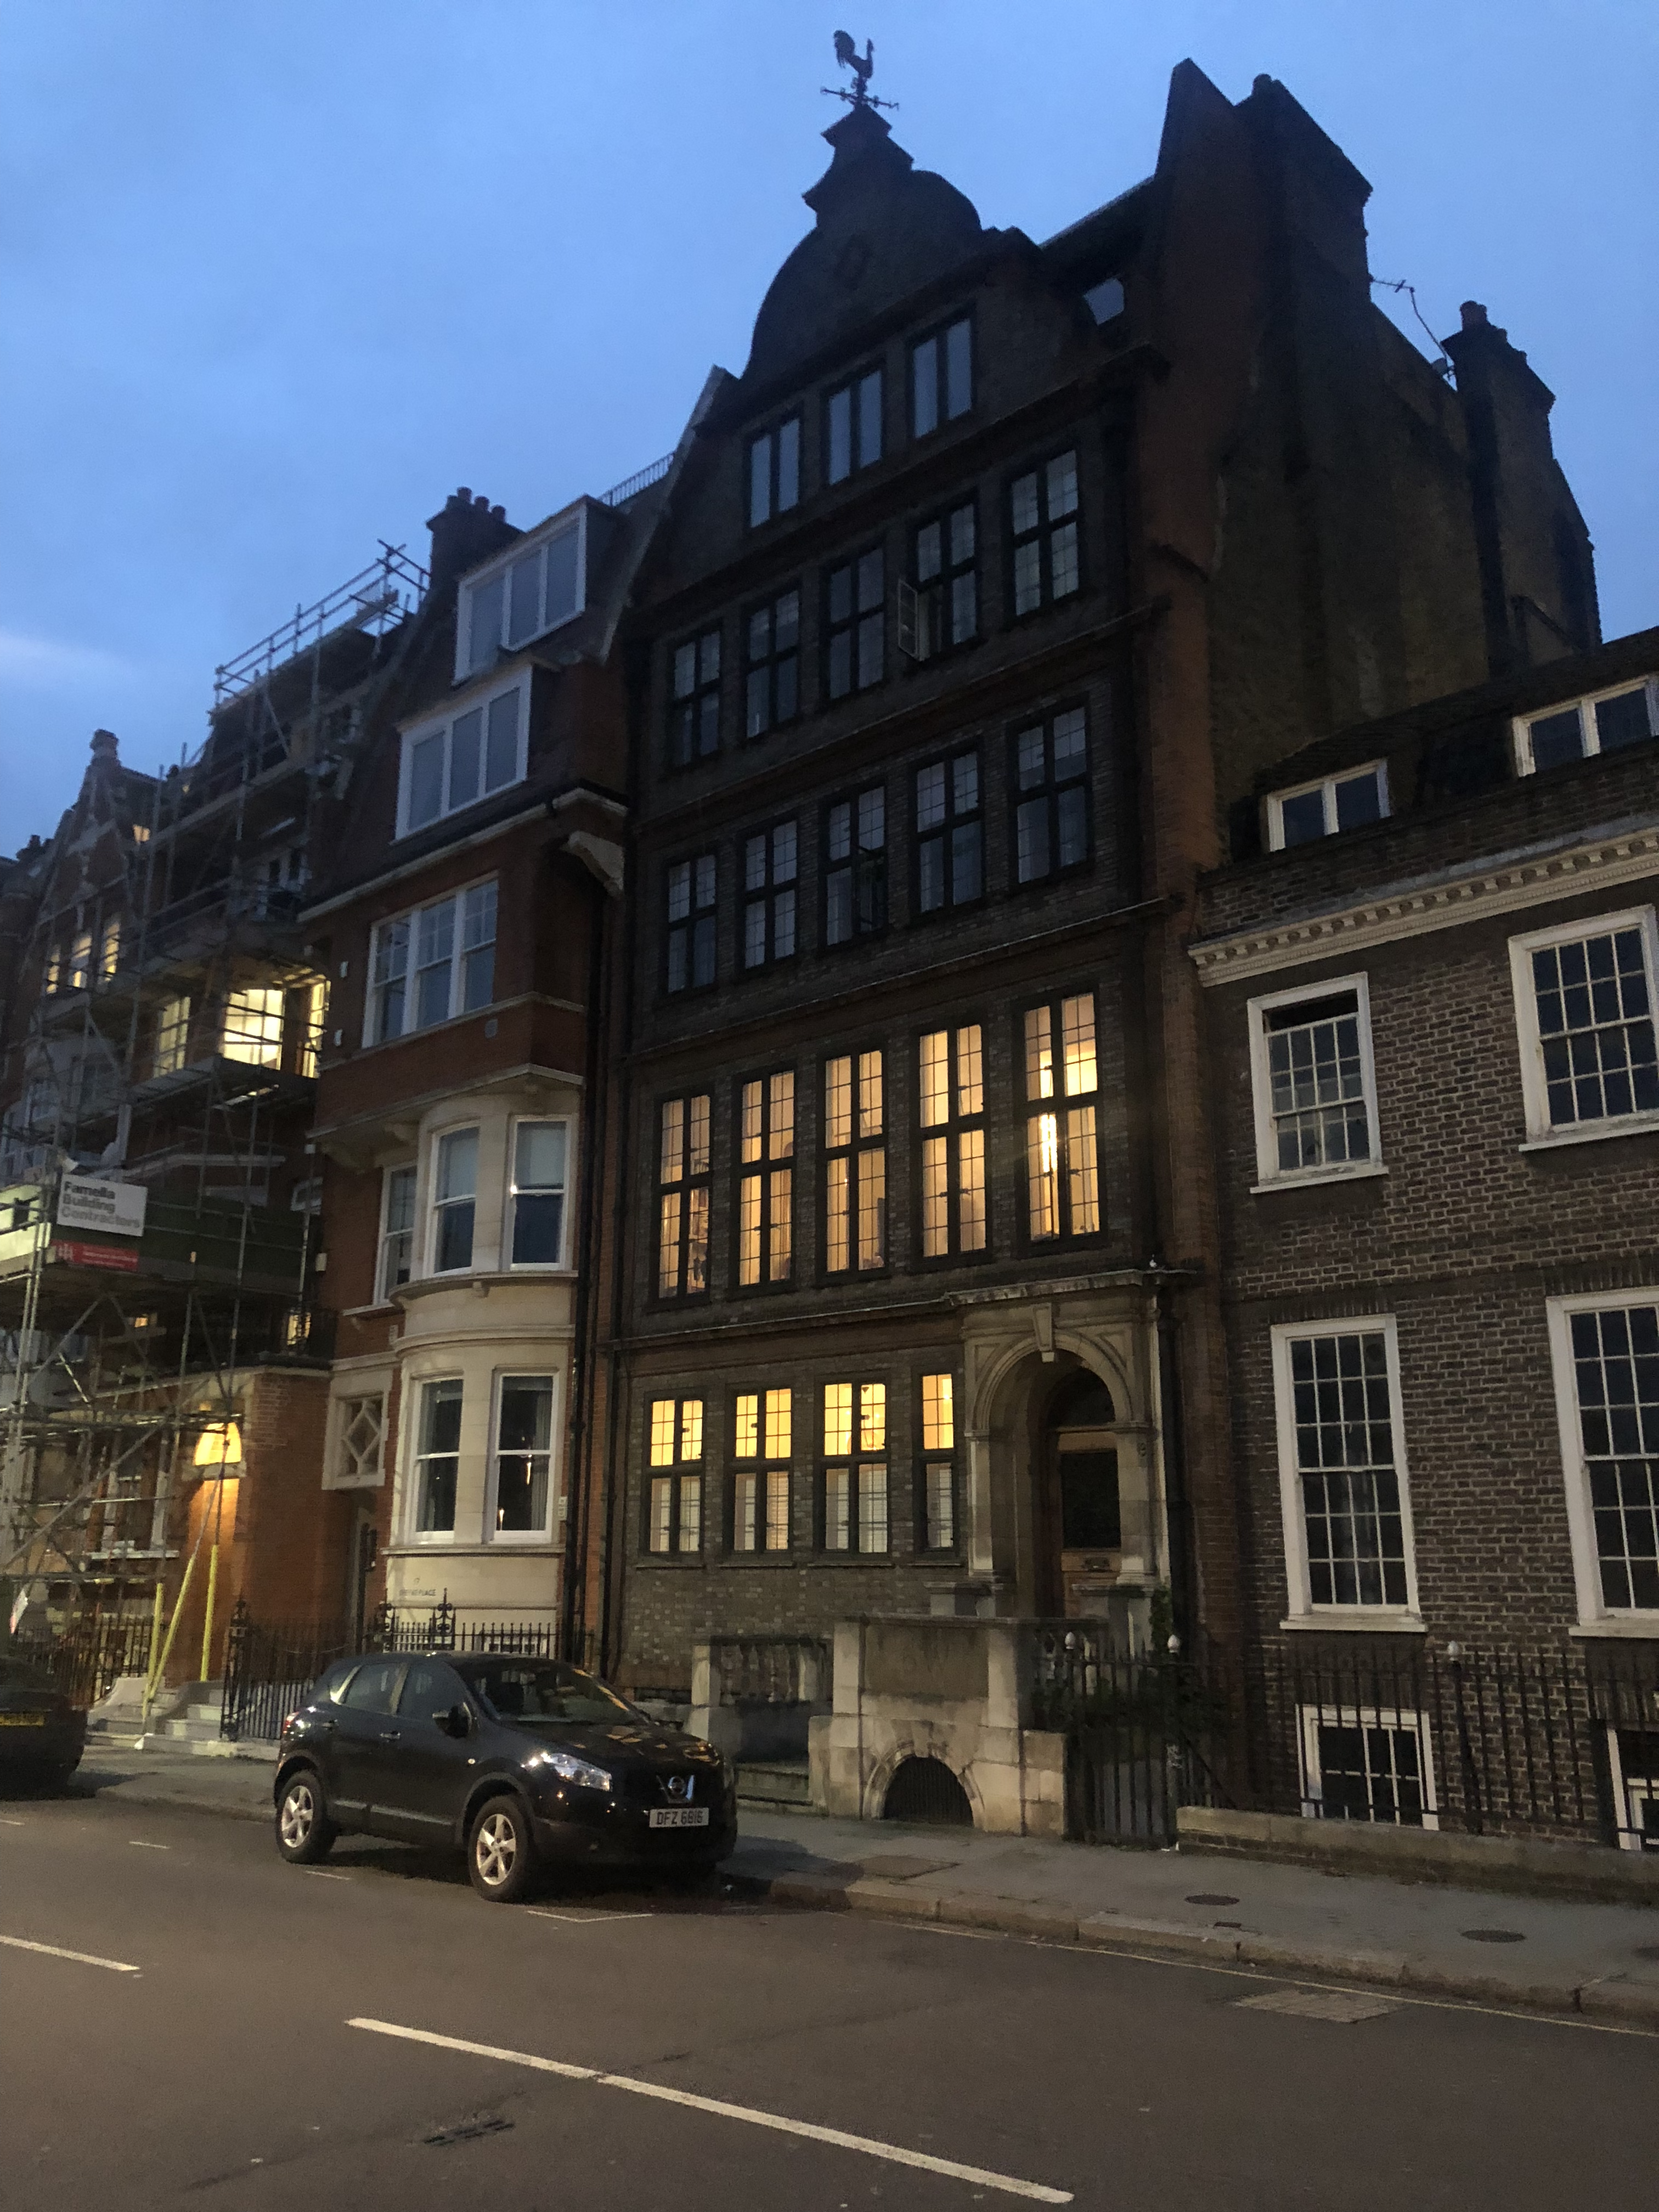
(278, 274)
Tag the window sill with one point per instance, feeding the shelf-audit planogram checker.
(676, 1559)
(1631, 1125)
(422, 1548)
(1624, 1627)
(1316, 1178)
(1358, 1621)
(761, 1559)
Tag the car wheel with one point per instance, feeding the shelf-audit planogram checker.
(304, 1831)
(500, 1852)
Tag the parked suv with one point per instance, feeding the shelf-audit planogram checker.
(519, 1762)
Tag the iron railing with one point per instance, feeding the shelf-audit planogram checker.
(1145, 1732)
(87, 1659)
(641, 480)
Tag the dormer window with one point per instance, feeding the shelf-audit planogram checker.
(467, 756)
(1605, 722)
(1307, 811)
(540, 583)
(941, 377)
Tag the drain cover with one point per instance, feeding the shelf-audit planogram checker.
(1341, 2008)
(1493, 1936)
(1210, 1897)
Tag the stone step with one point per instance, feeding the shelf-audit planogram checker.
(774, 1782)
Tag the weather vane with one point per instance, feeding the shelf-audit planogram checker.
(847, 54)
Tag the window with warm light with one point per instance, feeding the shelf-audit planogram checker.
(674, 1493)
(1062, 1160)
(853, 1515)
(252, 1029)
(683, 1178)
(766, 1148)
(855, 1164)
(939, 1468)
(761, 1444)
(951, 1109)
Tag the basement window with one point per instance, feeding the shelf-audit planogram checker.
(1306, 811)
(536, 586)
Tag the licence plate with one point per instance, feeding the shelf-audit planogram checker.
(23, 1720)
(679, 1816)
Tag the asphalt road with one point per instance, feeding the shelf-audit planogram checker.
(282, 2043)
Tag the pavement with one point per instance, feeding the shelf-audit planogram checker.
(1598, 1960)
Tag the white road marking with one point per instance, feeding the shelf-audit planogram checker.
(582, 1919)
(325, 1874)
(136, 1844)
(837, 2138)
(81, 1958)
(12, 1824)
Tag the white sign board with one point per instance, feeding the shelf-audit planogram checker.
(84, 1202)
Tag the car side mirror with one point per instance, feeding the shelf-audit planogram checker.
(454, 1720)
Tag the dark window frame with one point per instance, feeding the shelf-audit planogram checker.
(1026, 1109)
(1050, 791)
(762, 1169)
(923, 1457)
(1043, 534)
(691, 1178)
(695, 716)
(864, 867)
(698, 927)
(951, 1128)
(768, 893)
(938, 337)
(852, 1151)
(779, 668)
(852, 388)
(943, 833)
(852, 626)
(851, 1463)
(773, 438)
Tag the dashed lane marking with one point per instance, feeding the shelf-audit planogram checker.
(838, 2139)
(324, 1874)
(583, 1919)
(137, 1843)
(80, 1958)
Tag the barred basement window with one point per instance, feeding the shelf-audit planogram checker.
(689, 942)
(1342, 1469)
(674, 1504)
(766, 1195)
(1606, 1354)
(941, 377)
(1584, 1006)
(939, 1442)
(774, 472)
(855, 627)
(855, 1164)
(1062, 1165)
(694, 711)
(855, 867)
(852, 427)
(949, 833)
(1313, 1083)
(855, 1488)
(760, 1491)
(941, 609)
(683, 1198)
(951, 1107)
(1051, 806)
(1043, 509)
(772, 684)
(769, 903)
(1367, 1763)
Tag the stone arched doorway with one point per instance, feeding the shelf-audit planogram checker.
(1077, 1512)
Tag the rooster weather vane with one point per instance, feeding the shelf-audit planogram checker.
(863, 68)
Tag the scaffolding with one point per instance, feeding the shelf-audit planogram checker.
(166, 1029)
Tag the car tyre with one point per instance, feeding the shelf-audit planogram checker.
(501, 1851)
(304, 1831)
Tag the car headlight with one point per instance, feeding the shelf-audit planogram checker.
(569, 1768)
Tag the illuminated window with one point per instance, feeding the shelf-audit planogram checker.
(938, 1441)
(80, 961)
(172, 1036)
(855, 1470)
(682, 1197)
(109, 950)
(253, 1027)
(760, 1490)
(674, 1500)
(766, 1143)
(855, 1164)
(1062, 1160)
(950, 1108)
(314, 1019)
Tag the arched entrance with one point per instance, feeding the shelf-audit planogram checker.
(1079, 1508)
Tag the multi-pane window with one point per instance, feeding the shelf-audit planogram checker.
(536, 1229)
(766, 1146)
(774, 472)
(524, 1456)
(80, 961)
(1342, 1468)
(941, 608)
(395, 1261)
(252, 1027)
(689, 928)
(683, 1198)
(1316, 1102)
(769, 869)
(855, 1467)
(1584, 1002)
(941, 377)
(314, 1017)
(951, 1109)
(109, 950)
(938, 1462)
(852, 427)
(761, 1449)
(454, 1199)
(1043, 506)
(693, 710)
(459, 762)
(771, 683)
(437, 1457)
(949, 833)
(172, 1037)
(674, 1499)
(433, 964)
(855, 867)
(1605, 722)
(536, 588)
(1611, 1349)
(1062, 1154)
(1366, 1763)
(1304, 812)
(855, 625)
(855, 1164)
(1051, 802)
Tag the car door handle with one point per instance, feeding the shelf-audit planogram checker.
(390, 1736)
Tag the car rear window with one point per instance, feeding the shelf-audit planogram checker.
(544, 1690)
(333, 1683)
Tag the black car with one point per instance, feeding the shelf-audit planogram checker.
(521, 1762)
(42, 1732)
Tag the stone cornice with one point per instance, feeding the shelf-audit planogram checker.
(1618, 853)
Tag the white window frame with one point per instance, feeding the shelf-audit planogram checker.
(1521, 725)
(1326, 784)
(1595, 1615)
(384, 1292)
(435, 1205)
(1399, 1718)
(459, 949)
(566, 1190)
(533, 543)
(1303, 1612)
(414, 1390)
(1540, 1130)
(519, 1539)
(1269, 1175)
(480, 699)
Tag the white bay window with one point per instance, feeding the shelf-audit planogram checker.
(431, 965)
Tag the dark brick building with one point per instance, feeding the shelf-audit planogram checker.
(981, 601)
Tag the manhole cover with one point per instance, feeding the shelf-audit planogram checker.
(1210, 1897)
(1341, 2008)
(1493, 1936)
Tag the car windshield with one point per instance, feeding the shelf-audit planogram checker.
(544, 1689)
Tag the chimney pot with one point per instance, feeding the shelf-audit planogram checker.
(464, 497)
(1473, 314)
(482, 501)
(498, 514)
(104, 745)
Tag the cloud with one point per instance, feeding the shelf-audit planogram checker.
(43, 664)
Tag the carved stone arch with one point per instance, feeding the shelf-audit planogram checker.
(1104, 1358)
(920, 1740)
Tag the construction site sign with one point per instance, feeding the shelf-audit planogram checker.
(116, 1208)
(122, 1257)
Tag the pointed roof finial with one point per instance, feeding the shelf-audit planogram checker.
(847, 54)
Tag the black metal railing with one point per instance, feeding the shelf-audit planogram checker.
(86, 1659)
(1146, 1732)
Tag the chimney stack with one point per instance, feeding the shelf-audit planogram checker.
(465, 531)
